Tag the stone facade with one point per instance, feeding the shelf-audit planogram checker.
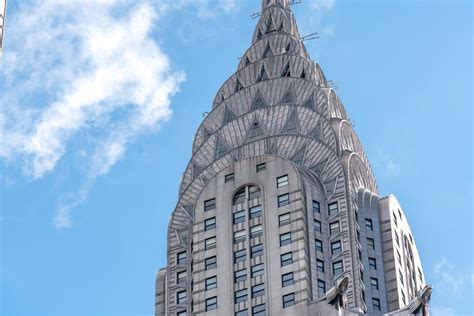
(279, 211)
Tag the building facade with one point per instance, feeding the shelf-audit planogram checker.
(279, 211)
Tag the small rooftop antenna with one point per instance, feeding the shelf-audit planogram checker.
(255, 15)
(204, 114)
(309, 37)
(333, 84)
(293, 2)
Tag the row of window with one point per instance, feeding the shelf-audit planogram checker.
(334, 227)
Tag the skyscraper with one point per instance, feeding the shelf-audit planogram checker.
(279, 211)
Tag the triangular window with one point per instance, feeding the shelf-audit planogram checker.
(258, 102)
(291, 125)
(286, 71)
(247, 61)
(255, 131)
(303, 74)
(319, 167)
(259, 34)
(288, 97)
(228, 116)
(270, 27)
(280, 29)
(263, 74)
(288, 47)
(222, 97)
(267, 52)
(309, 103)
(238, 86)
(206, 134)
(221, 148)
(299, 156)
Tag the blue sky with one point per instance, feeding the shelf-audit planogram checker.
(98, 108)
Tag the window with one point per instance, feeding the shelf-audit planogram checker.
(420, 275)
(243, 312)
(254, 192)
(399, 258)
(210, 243)
(376, 304)
(333, 209)
(257, 270)
(334, 228)
(317, 226)
(356, 216)
(210, 223)
(321, 287)
(256, 251)
(239, 217)
(368, 224)
(288, 300)
(395, 218)
(285, 239)
(239, 196)
(403, 298)
(337, 268)
(374, 283)
(336, 247)
(401, 277)
(240, 296)
(181, 257)
(211, 283)
(211, 263)
(316, 207)
(239, 236)
(371, 243)
(209, 205)
(373, 263)
(282, 181)
(182, 313)
(396, 238)
(211, 303)
(240, 275)
(258, 310)
(240, 255)
(320, 265)
(283, 200)
(284, 219)
(318, 245)
(400, 214)
(261, 167)
(287, 279)
(181, 277)
(229, 177)
(255, 211)
(286, 259)
(363, 296)
(258, 290)
(181, 297)
(256, 231)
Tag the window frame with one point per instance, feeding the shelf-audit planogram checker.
(256, 250)
(287, 279)
(336, 250)
(375, 304)
(288, 300)
(209, 305)
(317, 226)
(208, 265)
(374, 283)
(209, 205)
(253, 213)
(208, 244)
(373, 263)
(318, 245)
(258, 290)
(283, 202)
(320, 267)
(239, 219)
(323, 287)
(229, 177)
(284, 222)
(335, 270)
(211, 285)
(242, 277)
(240, 257)
(207, 226)
(287, 239)
(282, 181)
(240, 236)
(287, 261)
(370, 243)
(256, 231)
(180, 279)
(240, 296)
(369, 225)
(254, 272)
(316, 206)
(261, 167)
(334, 211)
(334, 230)
(180, 260)
(181, 299)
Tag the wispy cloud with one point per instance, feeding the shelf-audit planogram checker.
(81, 72)
(205, 9)
(322, 5)
(387, 163)
(451, 279)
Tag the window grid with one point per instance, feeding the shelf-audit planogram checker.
(284, 219)
(288, 300)
(239, 217)
(261, 167)
(210, 243)
(229, 177)
(282, 181)
(210, 224)
(211, 303)
(211, 283)
(286, 259)
(287, 279)
(209, 205)
(283, 200)
(336, 247)
(256, 251)
(337, 268)
(211, 263)
(285, 239)
(316, 207)
(240, 275)
(257, 270)
(321, 287)
(333, 209)
(240, 255)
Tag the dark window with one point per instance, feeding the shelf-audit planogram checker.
(403, 298)
(318, 244)
(256, 251)
(396, 238)
(181, 257)
(282, 181)
(286, 259)
(239, 236)
(258, 310)
(229, 177)
(376, 304)
(334, 228)
(211, 303)
(321, 287)
(211, 283)
(181, 277)
(257, 270)
(337, 268)
(284, 219)
(287, 279)
(336, 247)
(239, 196)
(240, 275)
(239, 217)
(210, 223)
(243, 312)
(363, 295)
(285, 239)
(210, 243)
(356, 216)
(320, 265)
(283, 200)
(182, 313)
(374, 283)
(209, 205)
(240, 296)
(258, 290)
(240, 255)
(333, 209)
(256, 231)
(261, 167)
(254, 192)
(288, 300)
(181, 297)
(211, 263)
(400, 214)
(401, 277)
(373, 263)
(368, 224)
(317, 226)
(371, 243)
(316, 207)
(395, 218)
(255, 211)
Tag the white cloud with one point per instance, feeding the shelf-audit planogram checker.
(204, 9)
(451, 279)
(83, 73)
(322, 5)
(386, 162)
